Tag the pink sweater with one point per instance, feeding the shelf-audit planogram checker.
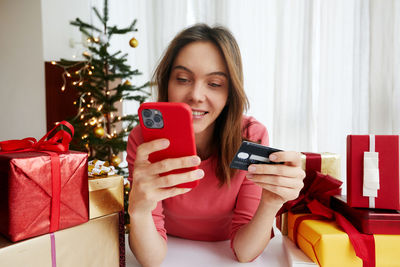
(208, 212)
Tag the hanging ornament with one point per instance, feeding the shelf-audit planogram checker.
(127, 82)
(115, 160)
(133, 42)
(99, 131)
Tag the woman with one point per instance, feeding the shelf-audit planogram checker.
(202, 68)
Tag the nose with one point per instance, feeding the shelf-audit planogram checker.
(198, 92)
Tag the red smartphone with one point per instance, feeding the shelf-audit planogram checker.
(172, 121)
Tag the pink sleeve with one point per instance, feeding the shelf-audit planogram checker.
(134, 140)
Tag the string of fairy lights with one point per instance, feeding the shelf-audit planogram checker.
(83, 101)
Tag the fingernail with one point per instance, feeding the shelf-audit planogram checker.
(252, 168)
(272, 157)
(165, 143)
(249, 175)
(199, 173)
(196, 160)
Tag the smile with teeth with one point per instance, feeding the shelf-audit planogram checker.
(199, 113)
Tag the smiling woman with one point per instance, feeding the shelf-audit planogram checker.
(202, 68)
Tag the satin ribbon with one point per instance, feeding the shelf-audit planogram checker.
(52, 146)
(53, 250)
(314, 198)
(371, 172)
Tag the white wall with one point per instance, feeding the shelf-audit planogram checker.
(22, 91)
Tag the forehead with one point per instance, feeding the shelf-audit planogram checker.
(201, 56)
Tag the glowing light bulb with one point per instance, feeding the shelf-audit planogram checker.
(82, 116)
(89, 93)
(53, 63)
(80, 83)
(68, 74)
(63, 88)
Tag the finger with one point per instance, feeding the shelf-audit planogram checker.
(172, 192)
(277, 181)
(176, 179)
(276, 169)
(284, 192)
(167, 165)
(145, 149)
(292, 158)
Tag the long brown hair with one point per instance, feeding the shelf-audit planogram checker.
(228, 132)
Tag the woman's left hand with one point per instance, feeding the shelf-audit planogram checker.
(280, 182)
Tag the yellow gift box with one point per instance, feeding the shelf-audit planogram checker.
(330, 165)
(328, 245)
(95, 243)
(106, 195)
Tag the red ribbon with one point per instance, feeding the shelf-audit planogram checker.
(314, 198)
(59, 142)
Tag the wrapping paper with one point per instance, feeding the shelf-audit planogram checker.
(387, 147)
(26, 192)
(326, 244)
(106, 195)
(329, 165)
(95, 243)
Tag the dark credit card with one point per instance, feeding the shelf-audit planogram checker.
(252, 153)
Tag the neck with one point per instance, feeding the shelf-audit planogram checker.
(204, 144)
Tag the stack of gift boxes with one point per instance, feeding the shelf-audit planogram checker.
(51, 214)
(361, 228)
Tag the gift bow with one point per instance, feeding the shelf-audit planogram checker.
(59, 142)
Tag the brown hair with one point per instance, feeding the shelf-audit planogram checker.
(228, 132)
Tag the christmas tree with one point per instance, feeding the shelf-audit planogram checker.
(102, 80)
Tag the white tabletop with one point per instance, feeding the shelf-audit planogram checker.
(183, 252)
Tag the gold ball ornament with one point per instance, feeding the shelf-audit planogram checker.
(99, 131)
(115, 160)
(133, 42)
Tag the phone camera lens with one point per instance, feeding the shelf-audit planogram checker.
(157, 118)
(149, 123)
(146, 113)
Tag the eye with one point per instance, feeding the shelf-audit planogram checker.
(182, 80)
(214, 84)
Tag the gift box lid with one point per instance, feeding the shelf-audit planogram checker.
(366, 220)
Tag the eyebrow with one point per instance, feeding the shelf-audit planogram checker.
(221, 73)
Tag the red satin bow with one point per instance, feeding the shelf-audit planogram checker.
(59, 142)
(316, 186)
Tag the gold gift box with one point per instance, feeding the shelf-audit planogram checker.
(95, 243)
(326, 244)
(330, 165)
(106, 195)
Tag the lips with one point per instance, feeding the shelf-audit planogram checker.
(198, 113)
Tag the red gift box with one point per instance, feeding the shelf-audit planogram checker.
(373, 179)
(43, 186)
(368, 221)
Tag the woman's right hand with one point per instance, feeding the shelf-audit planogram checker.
(148, 187)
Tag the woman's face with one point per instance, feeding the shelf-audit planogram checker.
(199, 78)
